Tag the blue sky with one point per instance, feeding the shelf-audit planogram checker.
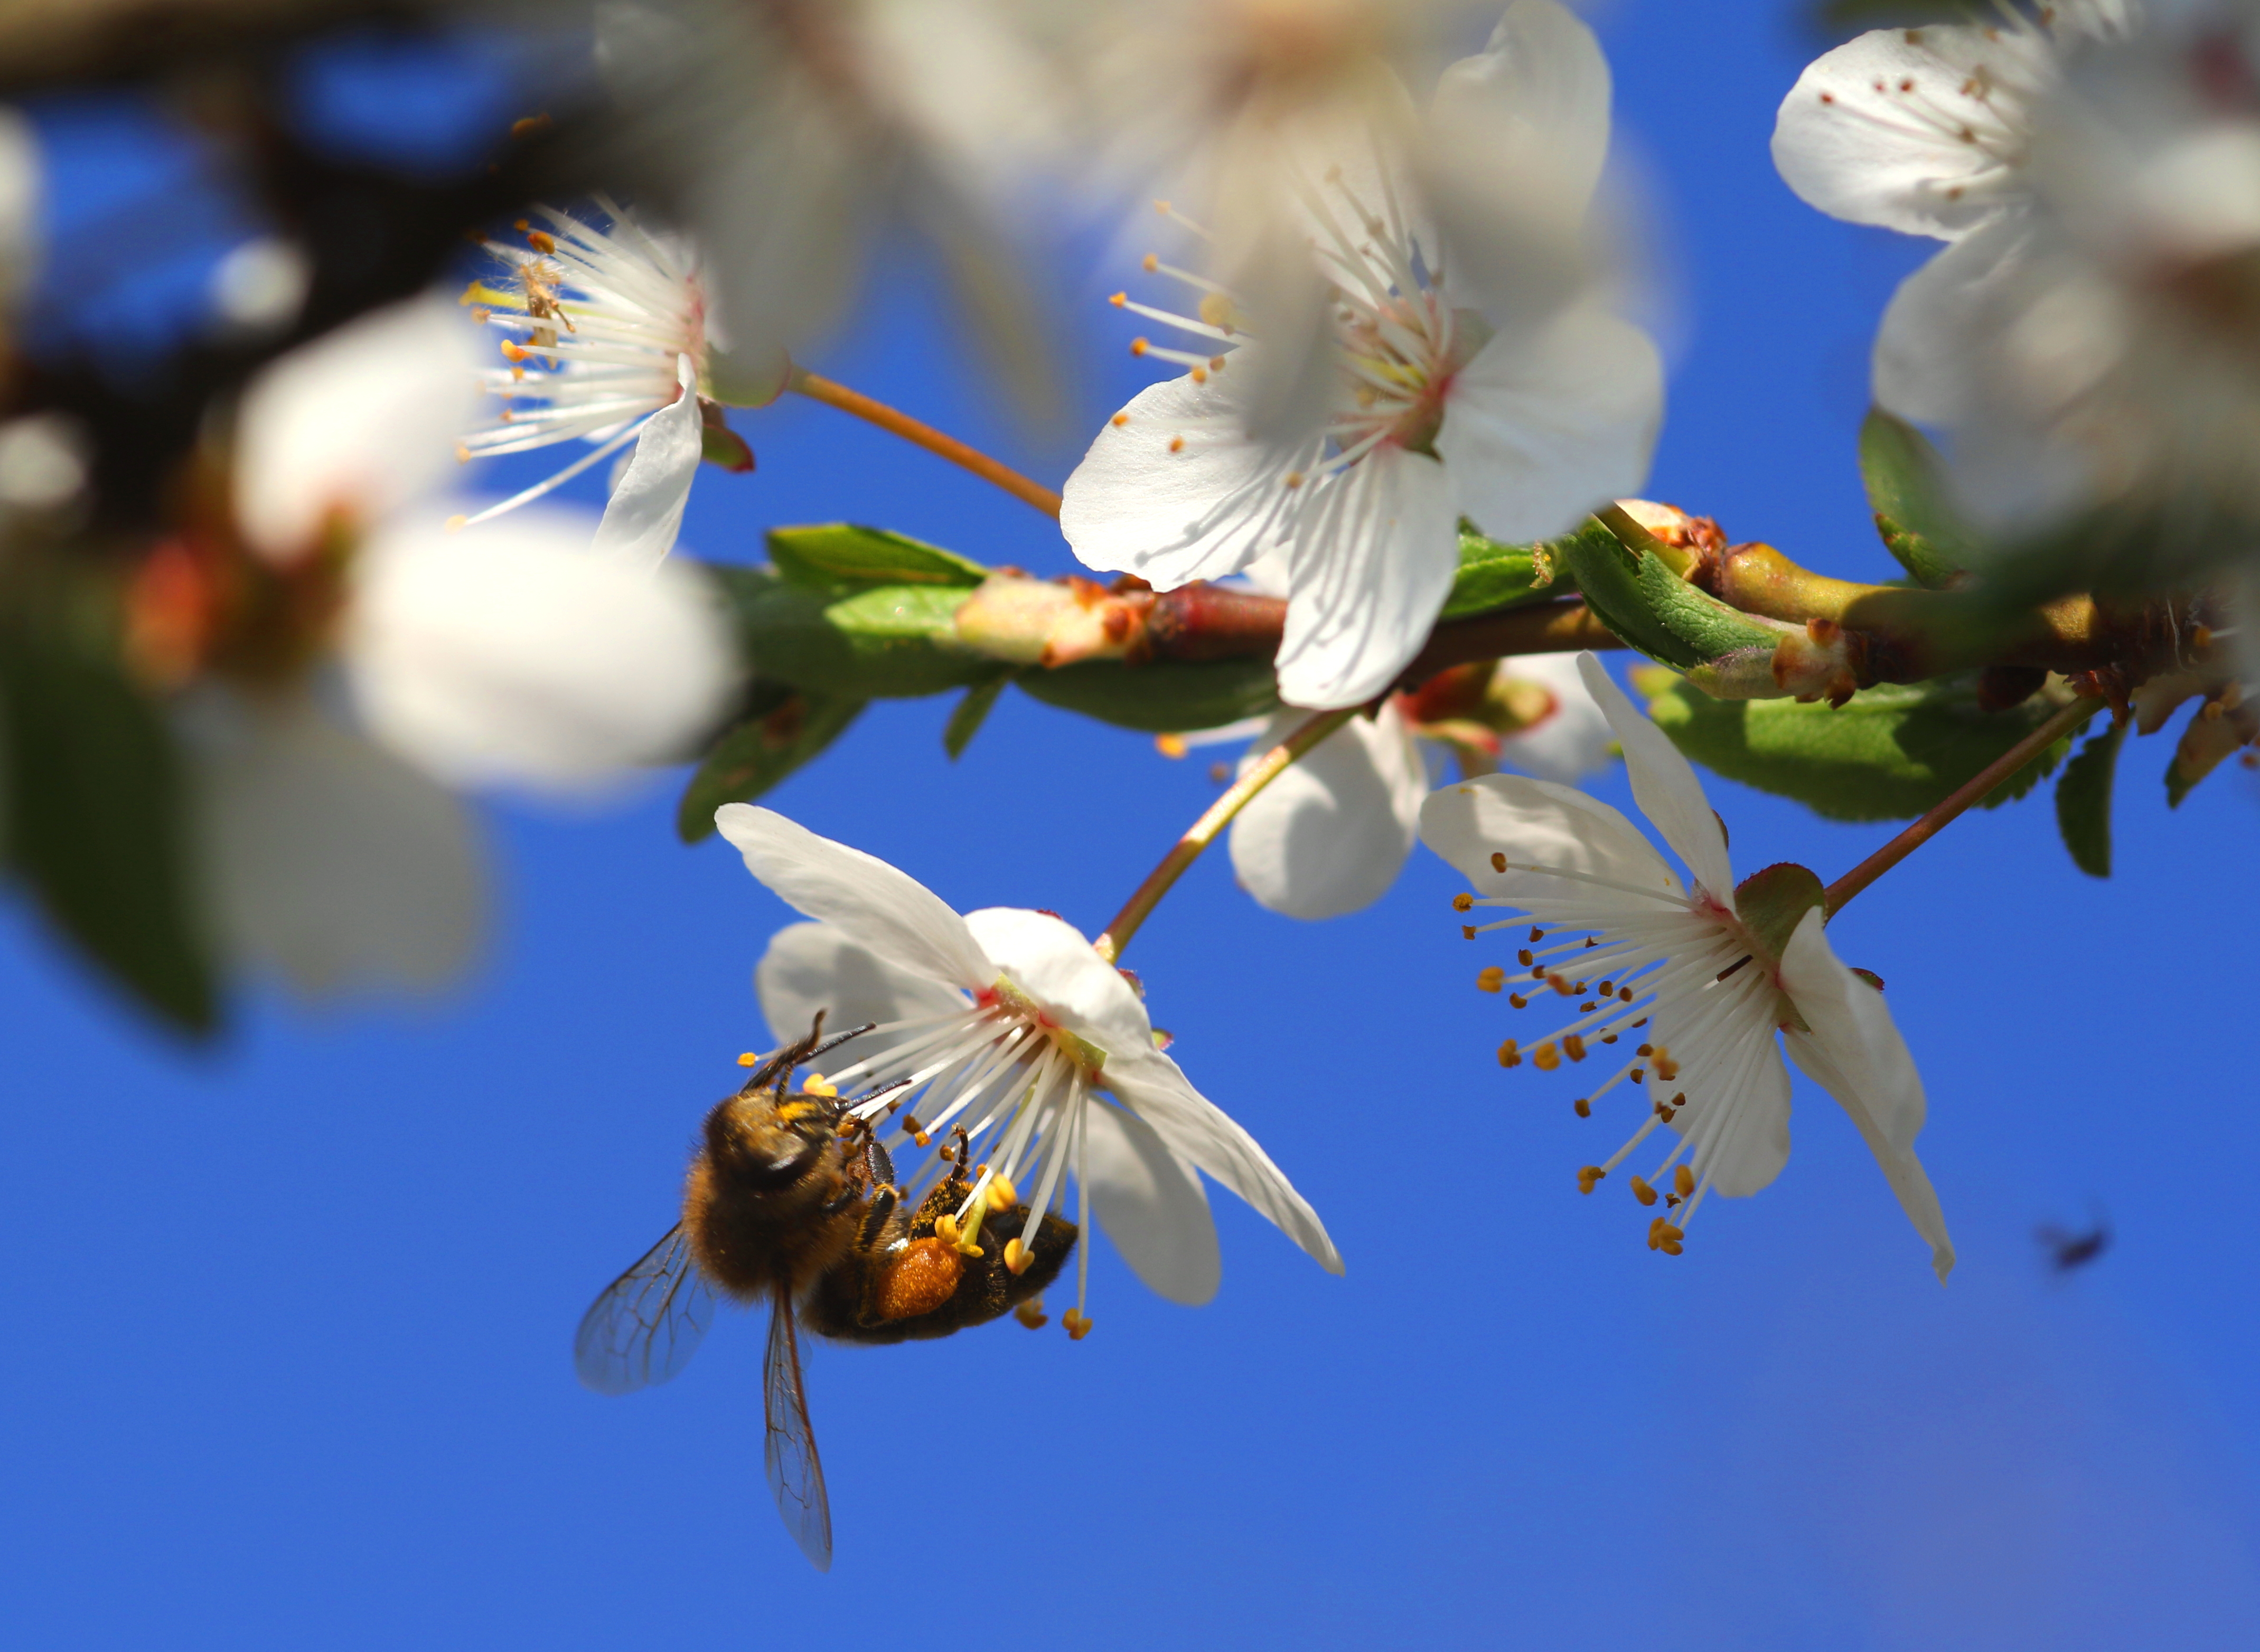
(293, 1314)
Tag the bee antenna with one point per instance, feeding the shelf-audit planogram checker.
(816, 1050)
(887, 1088)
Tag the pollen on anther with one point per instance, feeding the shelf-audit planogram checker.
(1138, 346)
(1642, 1191)
(1467, 931)
(1573, 1046)
(1176, 444)
(749, 1060)
(1624, 995)
(1509, 1055)
(456, 523)
(1462, 903)
(1078, 1324)
(1118, 420)
(1546, 1057)
(1536, 934)
(1584, 1107)
(1120, 299)
(1682, 1181)
(1490, 980)
(1498, 861)
(1587, 1176)
(541, 241)
(1031, 1314)
(1017, 1257)
(1523, 958)
(1518, 1000)
(1200, 375)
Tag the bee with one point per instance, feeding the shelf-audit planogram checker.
(2069, 1252)
(791, 1199)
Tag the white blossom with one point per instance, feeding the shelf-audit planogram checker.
(1005, 1022)
(1449, 390)
(1696, 976)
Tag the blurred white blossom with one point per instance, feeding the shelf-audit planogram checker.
(20, 203)
(1452, 385)
(380, 654)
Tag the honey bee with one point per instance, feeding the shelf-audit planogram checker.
(791, 1199)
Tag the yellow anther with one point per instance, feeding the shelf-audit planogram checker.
(1523, 957)
(1563, 984)
(1645, 1049)
(1588, 1176)
(455, 524)
(1467, 932)
(817, 1084)
(1666, 1070)
(1510, 1054)
(1118, 420)
(1642, 1191)
(1490, 980)
(541, 241)
(1546, 1058)
(1682, 1181)
(1176, 444)
(1017, 1257)
(749, 1060)
(1002, 1194)
(1574, 1046)
(1120, 299)
(945, 1228)
(1584, 1107)
(1170, 745)
(1138, 346)
(1200, 375)
(1463, 903)
(1149, 263)
(1498, 861)
(1518, 1000)
(1031, 1314)
(513, 351)
(1078, 1324)
(462, 455)
(1217, 310)
(1663, 1236)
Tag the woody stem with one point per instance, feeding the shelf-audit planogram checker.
(926, 436)
(1203, 832)
(1931, 825)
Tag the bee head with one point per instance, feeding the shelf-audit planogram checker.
(765, 1140)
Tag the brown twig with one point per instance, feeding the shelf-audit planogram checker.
(925, 435)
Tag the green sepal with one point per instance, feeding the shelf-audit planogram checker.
(1494, 576)
(719, 445)
(98, 818)
(783, 728)
(1889, 754)
(1907, 490)
(881, 642)
(839, 556)
(1654, 610)
(1159, 698)
(971, 711)
(1773, 901)
(2082, 801)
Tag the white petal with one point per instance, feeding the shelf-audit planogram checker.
(1050, 960)
(884, 911)
(1573, 739)
(1370, 570)
(1198, 1132)
(1547, 824)
(1541, 429)
(1931, 356)
(1200, 512)
(1151, 1206)
(329, 860)
(1855, 139)
(512, 651)
(645, 513)
(1856, 1052)
(355, 424)
(1330, 835)
(1737, 1090)
(811, 967)
(1664, 785)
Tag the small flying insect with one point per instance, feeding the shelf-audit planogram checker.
(790, 1198)
(2069, 1252)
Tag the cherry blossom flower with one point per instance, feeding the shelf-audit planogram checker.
(606, 339)
(345, 655)
(1005, 1022)
(1696, 977)
(1330, 835)
(1450, 392)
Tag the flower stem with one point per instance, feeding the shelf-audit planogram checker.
(1203, 832)
(1929, 825)
(926, 436)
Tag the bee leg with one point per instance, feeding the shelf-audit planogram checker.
(877, 1163)
(876, 1219)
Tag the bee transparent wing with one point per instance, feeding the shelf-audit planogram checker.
(789, 1453)
(648, 1324)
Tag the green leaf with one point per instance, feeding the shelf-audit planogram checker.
(882, 642)
(2083, 802)
(1914, 506)
(840, 555)
(1161, 699)
(1494, 576)
(1889, 754)
(1652, 608)
(787, 728)
(972, 711)
(97, 820)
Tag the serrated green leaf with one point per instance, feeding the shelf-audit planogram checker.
(885, 642)
(973, 711)
(1913, 504)
(1652, 608)
(1494, 576)
(2083, 802)
(1161, 699)
(96, 822)
(1889, 754)
(841, 555)
(787, 728)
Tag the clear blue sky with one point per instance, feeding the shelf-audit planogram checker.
(291, 1366)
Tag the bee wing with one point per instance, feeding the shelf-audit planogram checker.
(789, 1452)
(648, 1324)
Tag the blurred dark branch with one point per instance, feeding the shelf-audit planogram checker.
(47, 45)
